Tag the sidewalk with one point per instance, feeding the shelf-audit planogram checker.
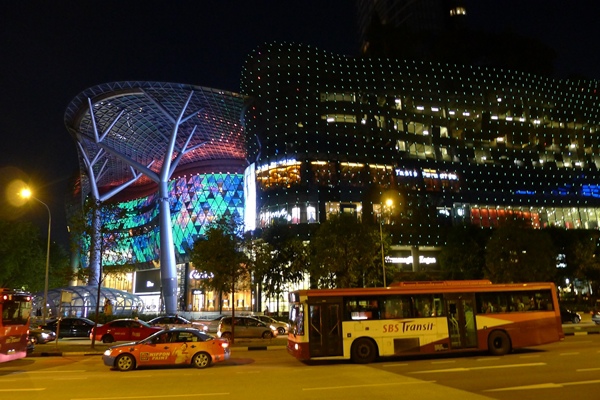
(83, 347)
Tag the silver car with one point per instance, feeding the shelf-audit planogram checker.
(175, 321)
(246, 327)
(282, 327)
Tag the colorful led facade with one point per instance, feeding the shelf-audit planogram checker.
(455, 144)
(196, 200)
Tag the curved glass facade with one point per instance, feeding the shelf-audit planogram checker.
(449, 143)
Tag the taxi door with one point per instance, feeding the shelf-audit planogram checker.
(158, 352)
(136, 331)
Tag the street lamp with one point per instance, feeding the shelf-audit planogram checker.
(26, 194)
(389, 203)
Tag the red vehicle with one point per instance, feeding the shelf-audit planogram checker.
(15, 309)
(422, 317)
(123, 329)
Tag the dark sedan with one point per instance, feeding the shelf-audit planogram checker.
(569, 316)
(71, 327)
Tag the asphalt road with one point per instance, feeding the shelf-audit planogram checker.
(565, 370)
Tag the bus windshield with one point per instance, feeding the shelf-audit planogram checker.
(15, 308)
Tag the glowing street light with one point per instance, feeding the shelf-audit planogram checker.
(26, 194)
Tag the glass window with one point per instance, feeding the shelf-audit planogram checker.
(361, 308)
(396, 307)
(424, 306)
(351, 174)
(323, 172)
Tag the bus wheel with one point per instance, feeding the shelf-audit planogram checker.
(363, 351)
(498, 343)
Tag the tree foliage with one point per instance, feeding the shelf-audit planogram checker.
(23, 258)
(517, 254)
(281, 259)
(221, 254)
(22, 255)
(463, 257)
(346, 253)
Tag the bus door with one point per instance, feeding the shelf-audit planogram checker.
(325, 327)
(461, 320)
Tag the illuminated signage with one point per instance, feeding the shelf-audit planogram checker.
(276, 164)
(409, 260)
(197, 275)
(407, 173)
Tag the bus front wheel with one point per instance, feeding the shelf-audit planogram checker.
(364, 351)
(498, 343)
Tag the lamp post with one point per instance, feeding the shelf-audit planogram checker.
(26, 194)
(389, 203)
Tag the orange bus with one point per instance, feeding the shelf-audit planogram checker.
(421, 318)
(15, 308)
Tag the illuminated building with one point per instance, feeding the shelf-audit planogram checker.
(184, 147)
(325, 133)
(458, 144)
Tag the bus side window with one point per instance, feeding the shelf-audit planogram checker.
(438, 309)
(423, 306)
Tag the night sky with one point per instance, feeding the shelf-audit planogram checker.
(50, 51)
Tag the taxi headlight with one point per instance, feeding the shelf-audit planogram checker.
(272, 328)
(45, 335)
(107, 352)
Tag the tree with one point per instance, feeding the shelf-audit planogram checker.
(281, 259)
(517, 254)
(463, 257)
(22, 255)
(346, 253)
(221, 255)
(579, 248)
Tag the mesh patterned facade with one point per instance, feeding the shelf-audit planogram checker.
(457, 144)
(132, 123)
(196, 200)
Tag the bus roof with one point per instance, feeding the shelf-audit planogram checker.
(428, 287)
(443, 283)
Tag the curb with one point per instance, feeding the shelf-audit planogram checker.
(582, 333)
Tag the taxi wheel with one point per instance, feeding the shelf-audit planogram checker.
(267, 335)
(34, 340)
(125, 362)
(281, 330)
(107, 339)
(201, 360)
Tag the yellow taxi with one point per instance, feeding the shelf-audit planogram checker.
(169, 347)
